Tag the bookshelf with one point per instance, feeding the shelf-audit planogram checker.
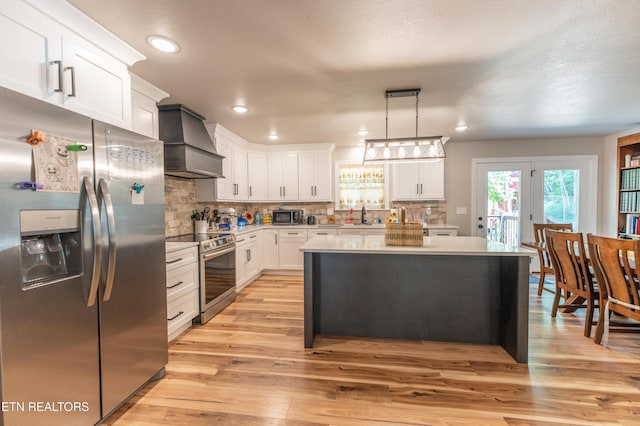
(628, 186)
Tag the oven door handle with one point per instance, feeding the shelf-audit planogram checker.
(209, 256)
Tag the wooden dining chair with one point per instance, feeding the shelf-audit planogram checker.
(615, 265)
(546, 268)
(574, 280)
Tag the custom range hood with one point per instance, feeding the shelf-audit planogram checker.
(188, 149)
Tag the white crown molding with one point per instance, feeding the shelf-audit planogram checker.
(217, 129)
(147, 89)
(77, 22)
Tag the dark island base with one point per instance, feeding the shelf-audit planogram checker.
(467, 299)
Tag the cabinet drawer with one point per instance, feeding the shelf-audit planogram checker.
(180, 312)
(182, 257)
(300, 233)
(443, 232)
(244, 239)
(322, 232)
(181, 280)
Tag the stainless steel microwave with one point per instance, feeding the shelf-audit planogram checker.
(287, 217)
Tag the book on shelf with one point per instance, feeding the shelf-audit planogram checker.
(633, 224)
(630, 179)
(629, 201)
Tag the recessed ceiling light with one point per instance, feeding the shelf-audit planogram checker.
(163, 44)
(241, 109)
(273, 137)
(462, 127)
(363, 132)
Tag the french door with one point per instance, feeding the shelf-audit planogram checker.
(512, 194)
(503, 201)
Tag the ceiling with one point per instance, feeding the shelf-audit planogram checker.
(317, 70)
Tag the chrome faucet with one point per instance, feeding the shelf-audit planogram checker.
(364, 216)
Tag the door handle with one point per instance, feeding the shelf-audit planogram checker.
(73, 81)
(105, 196)
(173, 261)
(480, 226)
(60, 79)
(276, 235)
(421, 190)
(97, 240)
(417, 188)
(175, 316)
(249, 255)
(250, 191)
(175, 285)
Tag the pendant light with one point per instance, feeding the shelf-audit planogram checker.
(417, 149)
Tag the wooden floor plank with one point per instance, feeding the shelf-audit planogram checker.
(248, 366)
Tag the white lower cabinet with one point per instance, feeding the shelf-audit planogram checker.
(289, 252)
(448, 232)
(248, 258)
(315, 232)
(278, 248)
(270, 249)
(361, 231)
(183, 286)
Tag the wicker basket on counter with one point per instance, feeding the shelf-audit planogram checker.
(403, 234)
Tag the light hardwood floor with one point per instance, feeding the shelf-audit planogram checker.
(248, 366)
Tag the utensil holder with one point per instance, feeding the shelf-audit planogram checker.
(200, 226)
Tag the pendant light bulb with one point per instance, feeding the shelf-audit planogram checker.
(416, 150)
(386, 153)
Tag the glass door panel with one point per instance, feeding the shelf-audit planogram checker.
(503, 196)
(560, 197)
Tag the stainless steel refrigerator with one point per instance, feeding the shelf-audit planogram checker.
(82, 278)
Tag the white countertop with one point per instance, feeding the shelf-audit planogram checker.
(173, 246)
(251, 228)
(374, 244)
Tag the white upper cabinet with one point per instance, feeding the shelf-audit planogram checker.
(28, 48)
(257, 175)
(282, 176)
(144, 107)
(314, 176)
(95, 84)
(234, 168)
(44, 56)
(418, 181)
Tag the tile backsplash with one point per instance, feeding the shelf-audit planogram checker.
(180, 200)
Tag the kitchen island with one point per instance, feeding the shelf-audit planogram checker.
(453, 289)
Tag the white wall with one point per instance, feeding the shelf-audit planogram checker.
(457, 187)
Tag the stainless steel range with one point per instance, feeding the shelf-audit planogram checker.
(217, 253)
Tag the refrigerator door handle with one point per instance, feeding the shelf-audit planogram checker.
(97, 238)
(104, 196)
